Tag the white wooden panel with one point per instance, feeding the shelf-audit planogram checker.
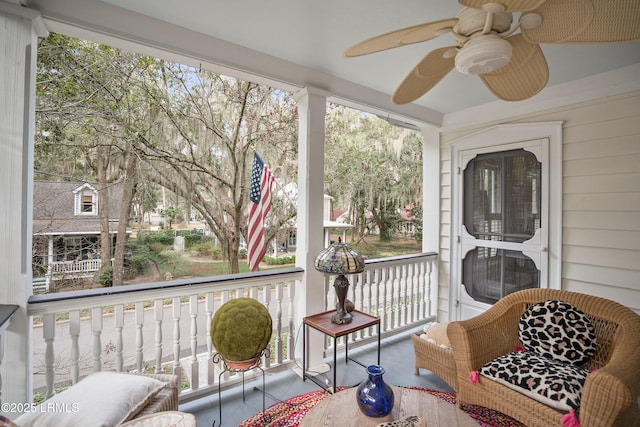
(602, 220)
(604, 165)
(619, 145)
(603, 130)
(615, 258)
(614, 239)
(612, 202)
(606, 276)
(619, 183)
(445, 222)
(445, 191)
(602, 110)
(627, 297)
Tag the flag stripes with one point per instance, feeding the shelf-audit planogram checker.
(260, 204)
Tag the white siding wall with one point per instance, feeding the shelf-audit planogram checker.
(601, 198)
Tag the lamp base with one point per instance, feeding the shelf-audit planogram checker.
(341, 285)
(342, 317)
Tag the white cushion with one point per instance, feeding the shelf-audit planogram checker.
(436, 333)
(102, 399)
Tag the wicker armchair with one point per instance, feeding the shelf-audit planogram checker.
(610, 393)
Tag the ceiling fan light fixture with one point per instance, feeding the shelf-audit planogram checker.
(483, 55)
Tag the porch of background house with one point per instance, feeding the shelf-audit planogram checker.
(164, 327)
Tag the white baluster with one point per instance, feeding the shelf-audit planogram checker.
(376, 291)
(210, 365)
(96, 330)
(291, 338)
(427, 286)
(278, 328)
(119, 321)
(224, 297)
(48, 333)
(367, 303)
(384, 321)
(158, 316)
(139, 336)
(411, 278)
(395, 297)
(177, 311)
(74, 333)
(404, 284)
(193, 312)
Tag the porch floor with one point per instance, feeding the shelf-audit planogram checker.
(396, 356)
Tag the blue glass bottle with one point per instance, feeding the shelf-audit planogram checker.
(375, 397)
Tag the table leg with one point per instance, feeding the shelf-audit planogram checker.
(346, 348)
(335, 365)
(378, 343)
(304, 352)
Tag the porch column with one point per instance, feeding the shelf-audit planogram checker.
(431, 206)
(19, 29)
(310, 296)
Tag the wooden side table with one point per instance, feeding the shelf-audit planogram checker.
(322, 322)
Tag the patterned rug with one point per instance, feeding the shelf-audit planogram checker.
(290, 412)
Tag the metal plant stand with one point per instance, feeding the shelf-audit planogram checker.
(231, 367)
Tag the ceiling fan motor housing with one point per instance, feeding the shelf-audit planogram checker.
(483, 54)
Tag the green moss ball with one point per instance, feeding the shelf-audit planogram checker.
(241, 329)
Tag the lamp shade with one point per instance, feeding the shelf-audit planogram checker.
(339, 258)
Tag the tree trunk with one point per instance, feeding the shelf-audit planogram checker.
(103, 206)
(128, 191)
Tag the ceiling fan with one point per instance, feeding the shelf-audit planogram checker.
(509, 62)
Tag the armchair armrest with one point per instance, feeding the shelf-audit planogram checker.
(610, 393)
(482, 338)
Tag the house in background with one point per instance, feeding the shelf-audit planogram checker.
(66, 230)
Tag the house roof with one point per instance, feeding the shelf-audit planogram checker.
(54, 209)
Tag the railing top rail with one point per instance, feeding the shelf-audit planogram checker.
(400, 259)
(52, 303)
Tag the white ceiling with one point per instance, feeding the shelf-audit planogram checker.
(314, 33)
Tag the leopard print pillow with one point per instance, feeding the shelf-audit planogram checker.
(558, 330)
(554, 383)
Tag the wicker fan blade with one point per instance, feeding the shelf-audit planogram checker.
(509, 5)
(586, 21)
(405, 36)
(525, 75)
(424, 76)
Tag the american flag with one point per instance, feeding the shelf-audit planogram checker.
(260, 204)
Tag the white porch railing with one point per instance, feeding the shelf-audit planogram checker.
(59, 270)
(84, 266)
(126, 328)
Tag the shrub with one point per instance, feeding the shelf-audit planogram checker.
(138, 264)
(193, 239)
(164, 237)
(174, 262)
(207, 249)
(157, 247)
(280, 260)
(104, 276)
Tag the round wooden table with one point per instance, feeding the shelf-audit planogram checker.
(341, 409)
